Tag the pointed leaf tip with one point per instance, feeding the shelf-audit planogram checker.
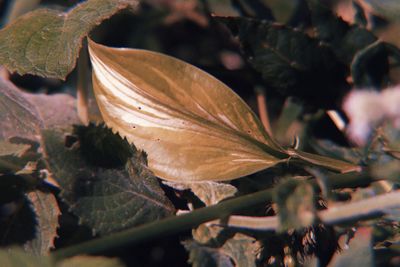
(193, 127)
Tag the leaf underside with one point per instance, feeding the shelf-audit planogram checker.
(193, 127)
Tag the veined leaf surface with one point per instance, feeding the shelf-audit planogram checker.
(193, 127)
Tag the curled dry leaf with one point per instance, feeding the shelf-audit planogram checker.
(193, 127)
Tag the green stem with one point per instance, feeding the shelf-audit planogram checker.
(176, 224)
(167, 226)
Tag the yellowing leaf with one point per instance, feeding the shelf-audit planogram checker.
(193, 127)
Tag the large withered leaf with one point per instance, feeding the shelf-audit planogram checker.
(46, 42)
(193, 127)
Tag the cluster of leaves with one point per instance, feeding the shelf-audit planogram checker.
(56, 171)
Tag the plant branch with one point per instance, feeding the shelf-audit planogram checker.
(176, 224)
(341, 214)
(82, 84)
(263, 110)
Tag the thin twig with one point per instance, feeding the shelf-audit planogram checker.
(337, 120)
(341, 214)
(82, 84)
(263, 110)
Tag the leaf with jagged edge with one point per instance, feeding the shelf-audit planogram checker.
(106, 199)
(46, 209)
(344, 39)
(46, 42)
(193, 127)
(289, 60)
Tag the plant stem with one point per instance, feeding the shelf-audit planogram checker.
(82, 84)
(263, 110)
(341, 214)
(167, 226)
(176, 224)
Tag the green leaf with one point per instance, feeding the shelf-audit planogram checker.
(47, 42)
(106, 199)
(193, 127)
(296, 204)
(344, 39)
(100, 147)
(18, 117)
(15, 257)
(46, 209)
(289, 60)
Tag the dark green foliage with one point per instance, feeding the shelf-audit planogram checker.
(106, 199)
(343, 38)
(100, 147)
(289, 60)
(18, 222)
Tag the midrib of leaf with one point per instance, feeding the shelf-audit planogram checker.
(208, 126)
